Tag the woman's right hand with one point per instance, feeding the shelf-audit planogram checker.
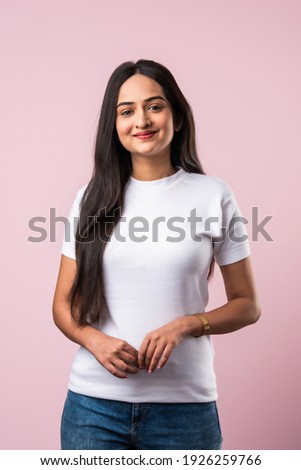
(116, 355)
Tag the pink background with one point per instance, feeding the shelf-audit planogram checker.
(238, 63)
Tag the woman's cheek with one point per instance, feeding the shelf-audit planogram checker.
(123, 129)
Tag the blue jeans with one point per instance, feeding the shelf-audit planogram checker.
(97, 424)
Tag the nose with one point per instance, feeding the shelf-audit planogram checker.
(142, 120)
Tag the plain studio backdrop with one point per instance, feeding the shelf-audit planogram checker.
(238, 64)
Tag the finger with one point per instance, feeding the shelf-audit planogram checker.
(131, 350)
(157, 354)
(114, 371)
(149, 355)
(142, 353)
(129, 359)
(165, 356)
(124, 367)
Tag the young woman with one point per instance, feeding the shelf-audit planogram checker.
(133, 281)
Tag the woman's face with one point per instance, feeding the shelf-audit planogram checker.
(144, 120)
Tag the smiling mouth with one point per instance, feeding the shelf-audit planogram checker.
(145, 135)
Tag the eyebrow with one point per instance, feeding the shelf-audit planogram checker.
(127, 103)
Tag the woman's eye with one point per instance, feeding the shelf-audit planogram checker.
(126, 112)
(155, 107)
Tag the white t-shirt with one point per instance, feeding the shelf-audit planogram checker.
(155, 270)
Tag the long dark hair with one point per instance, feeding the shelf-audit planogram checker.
(103, 199)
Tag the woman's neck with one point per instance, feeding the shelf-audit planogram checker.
(151, 170)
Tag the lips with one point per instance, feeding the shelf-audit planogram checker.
(145, 135)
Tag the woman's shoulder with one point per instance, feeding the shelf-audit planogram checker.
(209, 183)
(77, 199)
(80, 192)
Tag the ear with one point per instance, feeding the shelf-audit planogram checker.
(178, 125)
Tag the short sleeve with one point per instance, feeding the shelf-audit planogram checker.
(68, 245)
(233, 244)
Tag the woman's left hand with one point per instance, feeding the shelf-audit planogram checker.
(158, 345)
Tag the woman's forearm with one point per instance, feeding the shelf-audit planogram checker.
(242, 308)
(158, 345)
(82, 335)
(235, 314)
(114, 354)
